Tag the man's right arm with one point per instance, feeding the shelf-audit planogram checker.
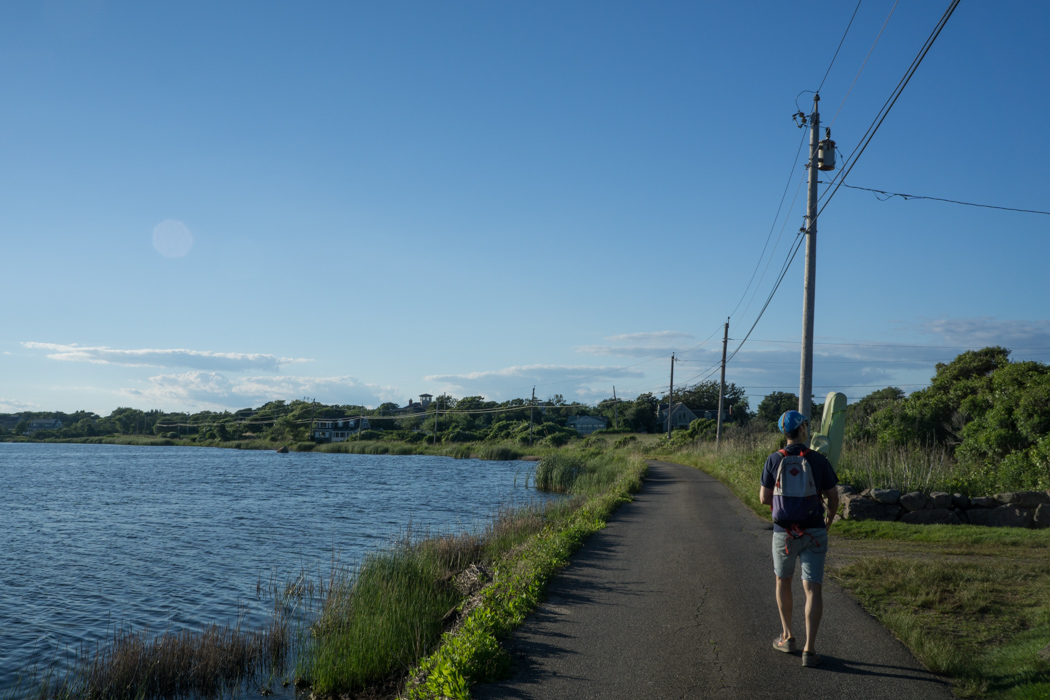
(765, 493)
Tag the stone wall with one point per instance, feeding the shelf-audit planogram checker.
(1020, 509)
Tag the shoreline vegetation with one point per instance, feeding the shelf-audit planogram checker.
(469, 450)
(420, 618)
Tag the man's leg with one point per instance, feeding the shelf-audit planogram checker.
(814, 611)
(785, 605)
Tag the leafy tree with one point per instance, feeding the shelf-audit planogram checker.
(774, 405)
(703, 396)
(640, 414)
(994, 413)
(937, 414)
(859, 413)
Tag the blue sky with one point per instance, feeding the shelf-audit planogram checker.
(210, 205)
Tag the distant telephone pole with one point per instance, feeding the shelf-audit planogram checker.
(437, 407)
(670, 399)
(805, 388)
(722, 387)
(532, 409)
(616, 405)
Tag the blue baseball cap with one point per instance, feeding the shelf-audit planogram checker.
(790, 421)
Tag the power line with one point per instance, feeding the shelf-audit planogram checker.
(779, 236)
(895, 345)
(890, 195)
(840, 45)
(783, 272)
(888, 105)
(864, 63)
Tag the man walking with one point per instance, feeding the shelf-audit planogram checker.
(793, 482)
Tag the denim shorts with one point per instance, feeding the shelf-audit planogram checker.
(811, 548)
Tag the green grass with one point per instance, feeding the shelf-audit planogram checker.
(380, 620)
(972, 603)
(383, 617)
(472, 653)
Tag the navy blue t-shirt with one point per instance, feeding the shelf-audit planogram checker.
(824, 478)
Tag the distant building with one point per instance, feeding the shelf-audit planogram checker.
(9, 422)
(338, 430)
(682, 415)
(585, 425)
(44, 424)
(413, 407)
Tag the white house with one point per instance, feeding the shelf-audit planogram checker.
(338, 430)
(44, 424)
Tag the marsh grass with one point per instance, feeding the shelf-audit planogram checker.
(212, 662)
(558, 472)
(913, 468)
(463, 450)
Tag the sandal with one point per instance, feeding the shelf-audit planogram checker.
(811, 659)
(784, 645)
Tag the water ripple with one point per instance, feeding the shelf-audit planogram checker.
(94, 536)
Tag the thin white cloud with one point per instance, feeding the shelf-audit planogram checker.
(623, 350)
(15, 406)
(987, 330)
(175, 357)
(648, 344)
(651, 336)
(517, 382)
(215, 391)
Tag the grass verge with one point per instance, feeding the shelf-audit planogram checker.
(471, 652)
(972, 603)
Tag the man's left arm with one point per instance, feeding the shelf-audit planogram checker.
(832, 496)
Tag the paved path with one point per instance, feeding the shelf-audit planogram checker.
(674, 599)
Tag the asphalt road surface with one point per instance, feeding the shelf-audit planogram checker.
(674, 599)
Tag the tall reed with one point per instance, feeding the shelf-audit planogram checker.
(907, 468)
(135, 664)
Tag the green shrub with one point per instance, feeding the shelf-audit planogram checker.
(498, 453)
(460, 436)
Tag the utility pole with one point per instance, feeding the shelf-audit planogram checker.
(532, 409)
(670, 399)
(616, 405)
(436, 407)
(805, 388)
(722, 387)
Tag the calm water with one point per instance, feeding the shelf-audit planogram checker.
(179, 537)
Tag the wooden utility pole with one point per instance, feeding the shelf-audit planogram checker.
(435, 421)
(722, 386)
(670, 399)
(616, 405)
(805, 388)
(532, 409)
